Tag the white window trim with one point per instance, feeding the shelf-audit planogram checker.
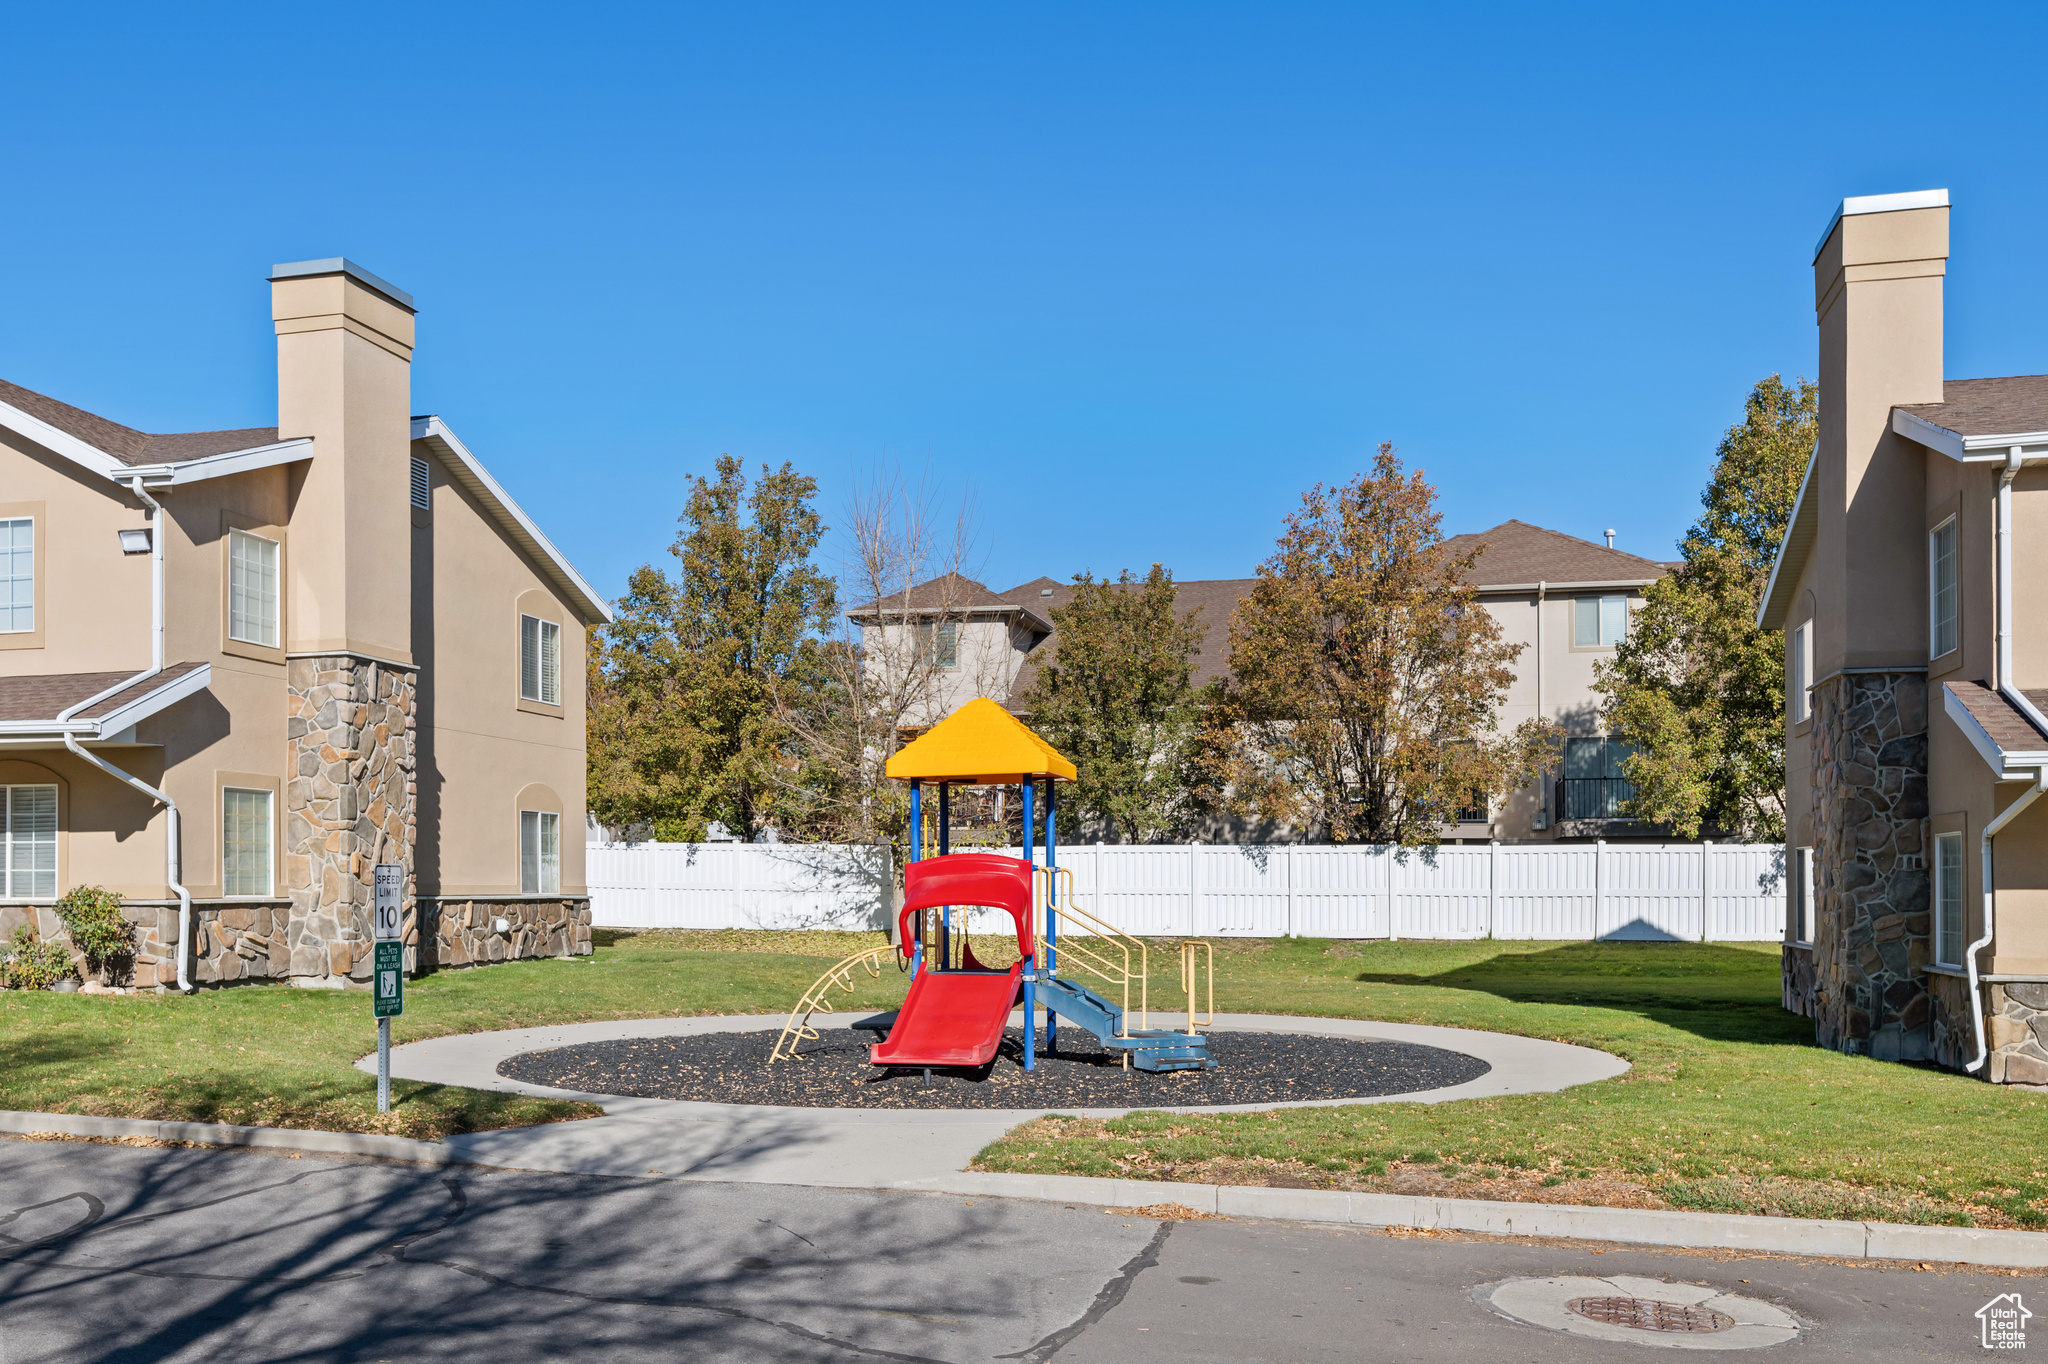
(1802, 672)
(31, 627)
(1953, 526)
(269, 890)
(540, 866)
(1962, 893)
(546, 679)
(276, 604)
(7, 841)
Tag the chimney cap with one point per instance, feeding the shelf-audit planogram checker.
(1880, 203)
(342, 265)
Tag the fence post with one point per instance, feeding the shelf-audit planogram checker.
(1599, 885)
(1386, 851)
(1706, 854)
(1492, 886)
(1288, 848)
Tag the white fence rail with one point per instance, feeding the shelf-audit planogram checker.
(1669, 892)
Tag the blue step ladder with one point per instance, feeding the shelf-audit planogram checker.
(1149, 1048)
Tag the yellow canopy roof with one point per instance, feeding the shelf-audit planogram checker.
(980, 742)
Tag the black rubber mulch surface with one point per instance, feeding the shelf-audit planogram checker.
(833, 1072)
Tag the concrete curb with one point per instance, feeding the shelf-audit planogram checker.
(1631, 1226)
(1634, 1226)
(224, 1134)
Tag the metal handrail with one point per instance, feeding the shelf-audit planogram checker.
(799, 1029)
(1188, 953)
(1094, 962)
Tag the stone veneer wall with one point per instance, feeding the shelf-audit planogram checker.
(462, 932)
(1872, 913)
(349, 802)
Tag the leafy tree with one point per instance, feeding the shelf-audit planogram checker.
(1697, 687)
(1117, 697)
(1365, 674)
(683, 722)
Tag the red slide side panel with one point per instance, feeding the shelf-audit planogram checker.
(950, 1018)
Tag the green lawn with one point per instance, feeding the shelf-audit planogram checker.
(274, 1055)
(1729, 1107)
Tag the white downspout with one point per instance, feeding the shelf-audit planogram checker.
(1970, 953)
(172, 868)
(2018, 700)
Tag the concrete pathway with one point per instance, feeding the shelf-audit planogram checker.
(868, 1147)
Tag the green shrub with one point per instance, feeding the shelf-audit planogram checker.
(33, 964)
(92, 916)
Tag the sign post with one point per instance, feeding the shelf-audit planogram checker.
(387, 967)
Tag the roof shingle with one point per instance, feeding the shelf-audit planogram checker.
(1517, 552)
(132, 447)
(1988, 407)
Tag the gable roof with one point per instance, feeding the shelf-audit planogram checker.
(470, 473)
(1520, 555)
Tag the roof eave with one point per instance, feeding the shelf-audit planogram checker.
(124, 717)
(2000, 760)
(1800, 532)
(1991, 448)
(1547, 586)
(469, 472)
(61, 442)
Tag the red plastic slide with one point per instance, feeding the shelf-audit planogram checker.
(956, 1018)
(951, 1018)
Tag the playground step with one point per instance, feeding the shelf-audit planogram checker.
(1150, 1048)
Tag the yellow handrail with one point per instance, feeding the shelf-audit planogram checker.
(1096, 962)
(1188, 953)
(798, 1028)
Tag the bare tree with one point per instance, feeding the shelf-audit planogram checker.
(890, 667)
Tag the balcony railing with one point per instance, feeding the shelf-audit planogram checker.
(1594, 797)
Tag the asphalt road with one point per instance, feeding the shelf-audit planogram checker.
(121, 1253)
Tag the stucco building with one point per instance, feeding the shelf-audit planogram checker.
(1912, 588)
(1566, 601)
(239, 668)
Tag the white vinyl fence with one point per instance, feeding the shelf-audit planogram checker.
(1658, 892)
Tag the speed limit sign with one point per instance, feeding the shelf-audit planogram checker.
(387, 912)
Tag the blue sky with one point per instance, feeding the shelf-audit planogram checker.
(1130, 276)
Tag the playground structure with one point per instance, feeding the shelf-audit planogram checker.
(957, 1008)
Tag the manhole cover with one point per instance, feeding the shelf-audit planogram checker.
(1648, 1314)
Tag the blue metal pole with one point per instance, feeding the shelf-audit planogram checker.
(1031, 998)
(1052, 915)
(917, 851)
(945, 846)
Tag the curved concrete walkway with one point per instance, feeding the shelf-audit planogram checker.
(870, 1147)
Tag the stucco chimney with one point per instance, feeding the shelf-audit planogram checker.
(1877, 299)
(344, 378)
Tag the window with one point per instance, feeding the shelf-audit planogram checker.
(540, 853)
(1801, 670)
(252, 589)
(422, 486)
(1599, 622)
(1941, 589)
(540, 661)
(1595, 786)
(1948, 899)
(1802, 895)
(939, 644)
(244, 841)
(17, 575)
(28, 856)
